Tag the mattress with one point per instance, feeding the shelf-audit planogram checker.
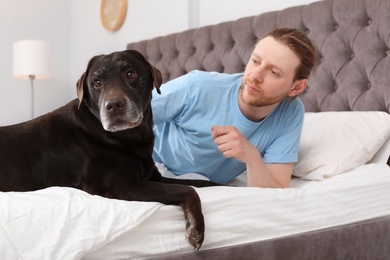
(237, 215)
(66, 223)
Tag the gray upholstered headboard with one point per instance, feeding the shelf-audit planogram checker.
(352, 38)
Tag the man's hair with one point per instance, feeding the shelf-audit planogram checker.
(301, 45)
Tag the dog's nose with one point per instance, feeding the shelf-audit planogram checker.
(115, 104)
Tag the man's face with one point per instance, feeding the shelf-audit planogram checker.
(269, 74)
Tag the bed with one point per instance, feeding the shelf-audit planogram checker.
(338, 203)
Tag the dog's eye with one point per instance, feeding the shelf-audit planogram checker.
(131, 74)
(97, 83)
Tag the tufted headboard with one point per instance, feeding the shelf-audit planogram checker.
(352, 38)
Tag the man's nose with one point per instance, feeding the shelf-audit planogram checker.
(258, 73)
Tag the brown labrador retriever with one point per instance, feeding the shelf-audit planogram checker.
(101, 142)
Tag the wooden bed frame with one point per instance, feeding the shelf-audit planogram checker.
(353, 42)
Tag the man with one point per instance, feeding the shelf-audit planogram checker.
(219, 125)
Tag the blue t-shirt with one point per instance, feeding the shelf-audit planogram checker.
(189, 105)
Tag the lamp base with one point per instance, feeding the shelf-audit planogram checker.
(32, 77)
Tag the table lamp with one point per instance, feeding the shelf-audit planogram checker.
(31, 59)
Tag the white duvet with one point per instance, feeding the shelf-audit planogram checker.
(65, 223)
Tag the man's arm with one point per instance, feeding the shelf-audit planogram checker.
(276, 175)
(234, 145)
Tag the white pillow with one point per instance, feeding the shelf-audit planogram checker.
(383, 155)
(335, 142)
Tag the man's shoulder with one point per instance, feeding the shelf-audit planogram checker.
(213, 76)
(198, 81)
(294, 103)
(290, 110)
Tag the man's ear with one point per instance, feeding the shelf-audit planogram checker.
(298, 87)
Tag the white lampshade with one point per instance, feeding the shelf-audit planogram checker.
(31, 57)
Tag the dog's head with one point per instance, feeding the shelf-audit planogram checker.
(117, 88)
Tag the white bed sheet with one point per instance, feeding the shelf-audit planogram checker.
(65, 223)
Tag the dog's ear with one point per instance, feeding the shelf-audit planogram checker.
(81, 83)
(156, 74)
(80, 88)
(157, 78)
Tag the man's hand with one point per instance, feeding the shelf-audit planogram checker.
(233, 144)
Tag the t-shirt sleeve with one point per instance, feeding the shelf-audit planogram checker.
(284, 149)
(168, 106)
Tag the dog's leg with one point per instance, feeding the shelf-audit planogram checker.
(170, 194)
(195, 183)
(184, 196)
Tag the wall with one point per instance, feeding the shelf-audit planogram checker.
(39, 19)
(76, 34)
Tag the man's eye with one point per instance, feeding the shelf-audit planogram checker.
(275, 73)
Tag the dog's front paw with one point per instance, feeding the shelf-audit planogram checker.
(195, 234)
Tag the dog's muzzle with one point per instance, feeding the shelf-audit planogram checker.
(119, 114)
